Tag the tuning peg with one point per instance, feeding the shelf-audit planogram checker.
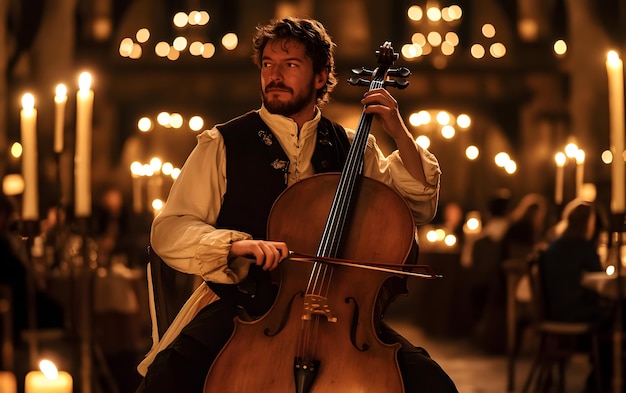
(399, 83)
(402, 72)
(356, 81)
(362, 71)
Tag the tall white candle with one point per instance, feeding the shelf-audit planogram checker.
(615, 71)
(137, 171)
(8, 383)
(60, 99)
(82, 158)
(560, 159)
(580, 171)
(28, 123)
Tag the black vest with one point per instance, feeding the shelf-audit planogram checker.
(256, 174)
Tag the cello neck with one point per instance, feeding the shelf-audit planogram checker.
(340, 208)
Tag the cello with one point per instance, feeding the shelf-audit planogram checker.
(320, 333)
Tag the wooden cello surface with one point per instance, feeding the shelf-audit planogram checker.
(320, 334)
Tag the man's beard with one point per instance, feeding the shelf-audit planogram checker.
(287, 108)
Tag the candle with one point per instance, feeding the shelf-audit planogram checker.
(137, 171)
(580, 169)
(558, 189)
(28, 123)
(8, 383)
(48, 380)
(614, 68)
(82, 159)
(59, 120)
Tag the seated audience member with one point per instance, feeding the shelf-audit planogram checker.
(562, 266)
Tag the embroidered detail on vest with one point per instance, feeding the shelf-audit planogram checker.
(282, 165)
(267, 138)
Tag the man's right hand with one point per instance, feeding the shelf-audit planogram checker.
(266, 254)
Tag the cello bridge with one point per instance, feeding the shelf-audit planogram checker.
(316, 304)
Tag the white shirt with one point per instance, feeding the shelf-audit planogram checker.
(183, 234)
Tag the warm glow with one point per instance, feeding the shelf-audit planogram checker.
(571, 149)
(230, 41)
(419, 118)
(452, 38)
(510, 167)
(560, 159)
(488, 30)
(415, 13)
(157, 204)
(448, 132)
(463, 121)
(61, 93)
(84, 82)
(501, 159)
(612, 59)
(126, 47)
(610, 270)
(450, 240)
(180, 19)
(443, 118)
(434, 38)
(196, 48)
(580, 156)
(16, 150)
(163, 119)
(497, 50)
(431, 236)
(176, 120)
(434, 14)
(13, 184)
(142, 35)
(478, 51)
(28, 102)
(162, 49)
(175, 173)
(560, 47)
(48, 369)
(144, 124)
(137, 169)
(180, 43)
(167, 168)
(607, 157)
(208, 50)
(173, 54)
(196, 123)
(423, 141)
(155, 164)
(472, 152)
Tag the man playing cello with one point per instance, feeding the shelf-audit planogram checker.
(214, 222)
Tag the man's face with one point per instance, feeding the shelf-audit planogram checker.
(288, 84)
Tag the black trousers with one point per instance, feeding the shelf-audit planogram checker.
(183, 366)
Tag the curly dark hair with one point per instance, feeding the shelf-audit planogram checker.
(313, 35)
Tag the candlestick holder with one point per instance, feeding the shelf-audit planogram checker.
(617, 230)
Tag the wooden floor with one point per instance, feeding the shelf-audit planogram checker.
(473, 371)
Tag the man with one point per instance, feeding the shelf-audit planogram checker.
(213, 224)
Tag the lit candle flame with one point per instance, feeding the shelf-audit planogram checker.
(84, 82)
(28, 102)
(61, 93)
(48, 369)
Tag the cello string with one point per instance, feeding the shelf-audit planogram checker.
(321, 276)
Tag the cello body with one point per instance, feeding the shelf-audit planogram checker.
(351, 357)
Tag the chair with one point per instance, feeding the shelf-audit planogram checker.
(557, 340)
(168, 290)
